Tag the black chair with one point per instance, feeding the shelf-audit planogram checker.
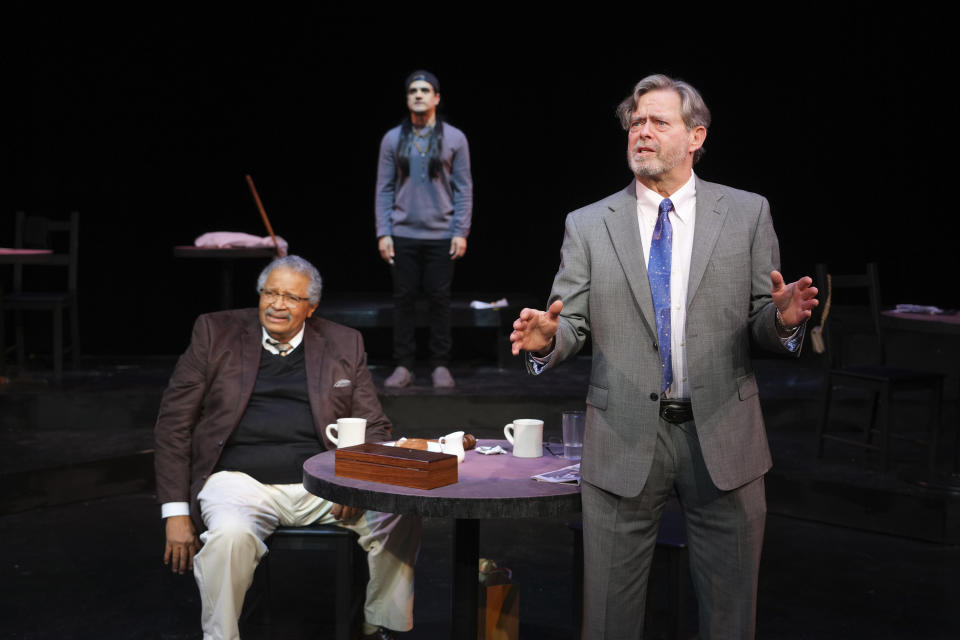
(842, 321)
(310, 542)
(35, 232)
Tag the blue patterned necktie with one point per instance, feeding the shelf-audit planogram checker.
(658, 270)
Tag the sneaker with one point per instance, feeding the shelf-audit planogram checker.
(442, 378)
(401, 377)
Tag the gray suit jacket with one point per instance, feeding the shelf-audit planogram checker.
(603, 283)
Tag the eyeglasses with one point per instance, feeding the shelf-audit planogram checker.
(287, 300)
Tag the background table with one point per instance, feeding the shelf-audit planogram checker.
(930, 341)
(226, 257)
(496, 486)
(942, 323)
(26, 256)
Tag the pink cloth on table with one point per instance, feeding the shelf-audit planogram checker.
(221, 239)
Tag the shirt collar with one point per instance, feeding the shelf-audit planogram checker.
(294, 341)
(682, 199)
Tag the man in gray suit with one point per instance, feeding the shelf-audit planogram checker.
(673, 278)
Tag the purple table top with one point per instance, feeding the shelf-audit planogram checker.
(494, 486)
(924, 322)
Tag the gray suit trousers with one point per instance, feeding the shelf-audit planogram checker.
(724, 532)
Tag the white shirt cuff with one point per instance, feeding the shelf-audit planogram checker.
(792, 342)
(168, 509)
(540, 362)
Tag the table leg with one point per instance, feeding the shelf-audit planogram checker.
(466, 556)
(226, 284)
(933, 478)
(956, 433)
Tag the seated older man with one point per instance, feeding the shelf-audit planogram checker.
(247, 404)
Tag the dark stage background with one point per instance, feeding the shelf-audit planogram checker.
(146, 123)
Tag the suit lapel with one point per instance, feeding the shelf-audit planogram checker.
(624, 230)
(711, 212)
(251, 346)
(316, 350)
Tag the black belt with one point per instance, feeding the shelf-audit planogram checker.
(676, 411)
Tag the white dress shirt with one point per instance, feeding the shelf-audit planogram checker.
(683, 218)
(294, 342)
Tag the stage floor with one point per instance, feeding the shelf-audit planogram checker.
(82, 538)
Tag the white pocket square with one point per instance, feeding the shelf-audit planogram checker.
(342, 382)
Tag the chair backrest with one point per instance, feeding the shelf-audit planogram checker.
(854, 310)
(60, 236)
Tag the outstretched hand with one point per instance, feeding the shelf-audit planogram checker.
(534, 330)
(795, 301)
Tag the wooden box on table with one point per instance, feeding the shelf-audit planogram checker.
(396, 465)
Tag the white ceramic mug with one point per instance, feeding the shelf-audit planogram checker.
(349, 431)
(452, 443)
(526, 436)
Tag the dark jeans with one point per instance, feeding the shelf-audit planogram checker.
(421, 265)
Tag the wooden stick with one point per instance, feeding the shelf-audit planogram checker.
(263, 213)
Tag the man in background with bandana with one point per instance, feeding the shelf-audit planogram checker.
(424, 202)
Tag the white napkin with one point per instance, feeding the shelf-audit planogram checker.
(489, 451)
(476, 304)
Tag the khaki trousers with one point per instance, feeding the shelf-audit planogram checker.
(240, 513)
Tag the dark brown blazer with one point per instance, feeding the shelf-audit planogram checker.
(212, 383)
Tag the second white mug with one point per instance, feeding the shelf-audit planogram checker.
(349, 431)
(526, 436)
(452, 443)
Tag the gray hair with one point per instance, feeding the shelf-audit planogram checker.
(298, 264)
(693, 109)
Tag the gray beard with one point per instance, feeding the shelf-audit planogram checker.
(654, 166)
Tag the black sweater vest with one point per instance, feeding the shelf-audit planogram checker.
(276, 433)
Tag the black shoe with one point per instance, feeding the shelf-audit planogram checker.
(380, 634)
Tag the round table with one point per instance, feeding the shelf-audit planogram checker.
(488, 486)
